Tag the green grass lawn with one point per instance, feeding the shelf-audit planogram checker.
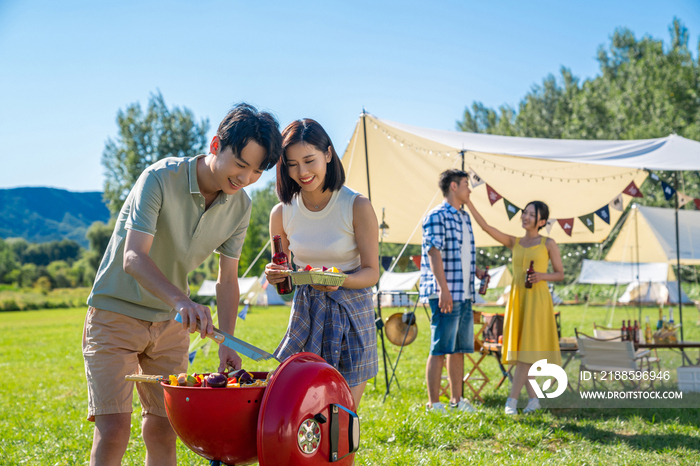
(43, 405)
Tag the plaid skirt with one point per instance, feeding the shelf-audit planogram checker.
(338, 326)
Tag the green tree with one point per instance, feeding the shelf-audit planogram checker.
(45, 253)
(145, 138)
(8, 262)
(645, 89)
(59, 272)
(98, 236)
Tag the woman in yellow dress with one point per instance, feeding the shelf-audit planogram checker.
(529, 330)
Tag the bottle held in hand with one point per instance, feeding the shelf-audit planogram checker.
(280, 258)
(485, 281)
(530, 271)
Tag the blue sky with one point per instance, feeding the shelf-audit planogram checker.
(67, 67)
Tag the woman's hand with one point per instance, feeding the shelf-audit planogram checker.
(325, 288)
(535, 277)
(273, 275)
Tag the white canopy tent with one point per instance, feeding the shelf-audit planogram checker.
(619, 273)
(397, 166)
(500, 277)
(649, 235)
(394, 281)
(248, 287)
(653, 293)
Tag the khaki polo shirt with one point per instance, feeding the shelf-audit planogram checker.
(166, 203)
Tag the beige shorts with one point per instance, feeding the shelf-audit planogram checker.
(115, 345)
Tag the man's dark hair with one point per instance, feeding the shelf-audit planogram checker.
(244, 123)
(312, 133)
(541, 212)
(448, 176)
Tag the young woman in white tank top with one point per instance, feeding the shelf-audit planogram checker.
(324, 223)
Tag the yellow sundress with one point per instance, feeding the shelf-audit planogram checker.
(529, 330)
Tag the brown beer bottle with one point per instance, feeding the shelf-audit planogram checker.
(623, 331)
(280, 258)
(630, 329)
(530, 271)
(485, 281)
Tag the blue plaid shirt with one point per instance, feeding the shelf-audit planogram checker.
(442, 229)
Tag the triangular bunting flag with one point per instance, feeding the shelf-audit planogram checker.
(416, 260)
(588, 221)
(386, 262)
(633, 190)
(550, 224)
(243, 312)
(617, 203)
(668, 190)
(567, 224)
(654, 176)
(493, 195)
(511, 209)
(683, 199)
(191, 356)
(403, 263)
(697, 203)
(604, 214)
(475, 179)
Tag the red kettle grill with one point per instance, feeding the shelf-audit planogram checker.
(305, 416)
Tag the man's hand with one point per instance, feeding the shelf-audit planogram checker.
(445, 301)
(191, 312)
(228, 358)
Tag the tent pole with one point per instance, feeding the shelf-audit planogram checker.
(364, 127)
(462, 154)
(639, 283)
(678, 263)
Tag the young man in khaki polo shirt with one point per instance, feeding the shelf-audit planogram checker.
(177, 213)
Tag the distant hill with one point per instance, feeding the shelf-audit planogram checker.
(47, 214)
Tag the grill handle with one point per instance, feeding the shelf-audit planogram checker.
(353, 432)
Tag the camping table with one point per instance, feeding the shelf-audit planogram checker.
(679, 345)
(495, 350)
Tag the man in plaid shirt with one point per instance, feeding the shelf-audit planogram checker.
(448, 268)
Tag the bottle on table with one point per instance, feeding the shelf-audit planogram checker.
(648, 336)
(635, 332)
(671, 323)
(485, 281)
(530, 271)
(630, 329)
(660, 323)
(280, 258)
(623, 331)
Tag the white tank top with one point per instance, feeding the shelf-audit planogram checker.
(325, 238)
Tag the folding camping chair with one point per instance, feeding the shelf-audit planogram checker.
(608, 355)
(642, 355)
